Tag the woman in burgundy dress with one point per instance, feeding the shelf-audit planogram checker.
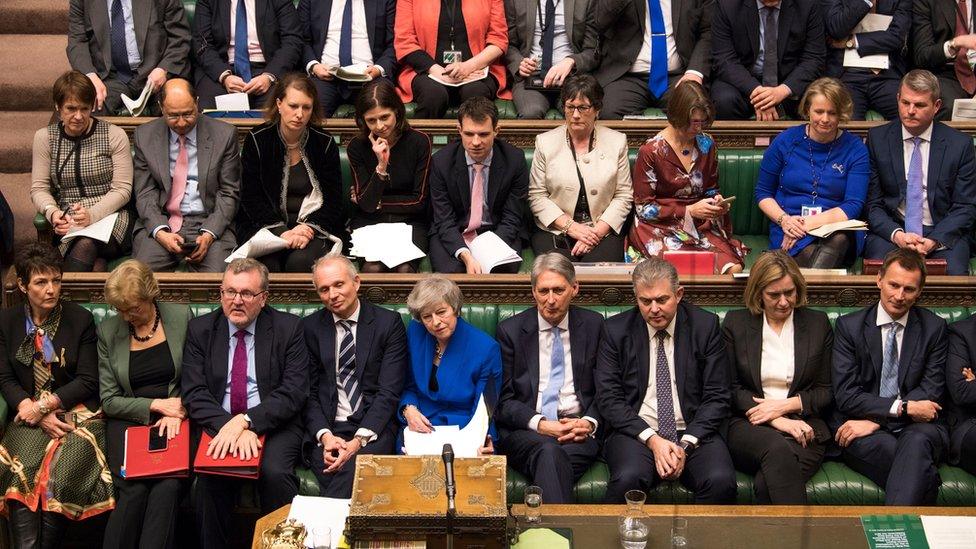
(677, 202)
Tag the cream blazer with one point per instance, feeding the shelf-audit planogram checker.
(554, 185)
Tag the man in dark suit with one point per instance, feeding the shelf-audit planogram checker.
(187, 184)
(665, 422)
(125, 43)
(942, 37)
(765, 58)
(358, 358)
(642, 56)
(270, 46)
(547, 415)
(870, 88)
(547, 42)
(922, 192)
(888, 376)
(478, 161)
(245, 375)
(324, 19)
(961, 382)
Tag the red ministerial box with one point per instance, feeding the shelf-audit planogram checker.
(692, 263)
(139, 461)
(230, 466)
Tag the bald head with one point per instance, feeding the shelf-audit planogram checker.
(178, 103)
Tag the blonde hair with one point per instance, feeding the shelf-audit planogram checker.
(131, 283)
(430, 291)
(770, 267)
(832, 90)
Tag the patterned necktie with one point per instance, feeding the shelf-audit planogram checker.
(120, 55)
(889, 367)
(238, 376)
(548, 37)
(657, 77)
(667, 427)
(347, 365)
(770, 53)
(557, 373)
(345, 36)
(914, 196)
(242, 59)
(178, 190)
(964, 72)
(477, 204)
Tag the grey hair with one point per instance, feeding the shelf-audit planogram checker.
(430, 291)
(342, 260)
(555, 262)
(653, 269)
(247, 264)
(921, 80)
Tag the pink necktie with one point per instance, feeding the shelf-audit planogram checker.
(238, 376)
(477, 204)
(180, 172)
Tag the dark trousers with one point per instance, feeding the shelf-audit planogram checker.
(215, 496)
(433, 98)
(299, 260)
(533, 104)
(335, 92)
(208, 89)
(552, 466)
(957, 257)
(781, 466)
(145, 514)
(113, 105)
(730, 104)
(967, 452)
(610, 248)
(629, 94)
(443, 261)
(905, 464)
(832, 252)
(951, 90)
(872, 91)
(339, 484)
(708, 471)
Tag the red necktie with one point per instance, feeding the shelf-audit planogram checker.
(477, 204)
(238, 376)
(180, 172)
(964, 73)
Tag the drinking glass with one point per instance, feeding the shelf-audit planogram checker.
(533, 504)
(634, 530)
(679, 533)
(321, 537)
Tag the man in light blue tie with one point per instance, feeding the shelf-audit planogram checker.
(888, 378)
(922, 192)
(547, 419)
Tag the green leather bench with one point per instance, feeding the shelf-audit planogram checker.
(834, 484)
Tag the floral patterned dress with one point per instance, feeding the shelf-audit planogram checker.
(663, 189)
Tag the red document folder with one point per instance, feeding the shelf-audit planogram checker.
(230, 466)
(692, 263)
(172, 462)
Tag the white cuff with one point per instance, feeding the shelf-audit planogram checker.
(696, 73)
(947, 50)
(891, 237)
(210, 233)
(596, 425)
(318, 435)
(159, 228)
(308, 68)
(457, 254)
(893, 411)
(364, 432)
(534, 422)
(645, 435)
(692, 439)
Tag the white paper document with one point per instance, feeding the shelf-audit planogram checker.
(949, 532)
(137, 105)
(491, 251)
(317, 512)
(389, 243)
(824, 231)
(964, 109)
(100, 230)
(233, 102)
(473, 77)
(351, 73)
(263, 242)
(872, 22)
(466, 441)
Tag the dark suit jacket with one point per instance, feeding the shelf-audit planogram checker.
(522, 16)
(381, 363)
(279, 35)
(951, 190)
(519, 340)
(450, 194)
(800, 43)
(961, 404)
(813, 341)
(840, 18)
(75, 380)
(621, 23)
(218, 173)
(162, 33)
(858, 359)
(701, 371)
(313, 15)
(281, 363)
(933, 24)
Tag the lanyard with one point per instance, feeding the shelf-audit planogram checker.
(452, 8)
(814, 175)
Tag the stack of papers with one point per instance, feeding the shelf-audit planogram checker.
(100, 230)
(872, 22)
(473, 77)
(389, 243)
(263, 242)
(964, 109)
(136, 106)
(316, 512)
(233, 102)
(824, 231)
(465, 442)
(491, 251)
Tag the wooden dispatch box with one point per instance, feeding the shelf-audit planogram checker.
(403, 497)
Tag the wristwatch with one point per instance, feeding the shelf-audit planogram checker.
(687, 446)
(850, 43)
(904, 408)
(363, 440)
(42, 407)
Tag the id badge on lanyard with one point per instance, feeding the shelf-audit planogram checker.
(451, 56)
(810, 209)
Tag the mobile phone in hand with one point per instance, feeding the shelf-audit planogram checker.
(157, 442)
(725, 200)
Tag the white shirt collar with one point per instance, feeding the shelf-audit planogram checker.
(486, 162)
(788, 325)
(926, 135)
(250, 328)
(191, 136)
(354, 317)
(884, 318)
(651, 331)
(544, 325)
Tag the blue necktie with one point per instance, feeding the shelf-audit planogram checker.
(242, 62)
(347, 365)
(657, 78)
(345, 36)
(889, 367)
(550, 397)
(914, 197)
(667, 426)
(120, 55)
(548, 37)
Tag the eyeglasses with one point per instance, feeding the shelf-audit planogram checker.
(127, 311)
(246, 296)
(188, 116)
(582, 109)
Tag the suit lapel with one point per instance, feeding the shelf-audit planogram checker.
(364, 335)
(909, 343)
(530, 347)
(801, 343)
(642, 348)
(569, 11)
(204, 155)
(641, 7)
(463, 183)
(495, 175)
(161, 158)
(263, 341)
(219, 352)
(872, 334)
(140, 22)
(101, 28)
(949, 13)
(328, 352)
(752, 26)
(676, 12)
(260, 7)
(754, 350)
(370, 8)
(682, 354)
(577, 348)
(783, 31)
(120, 358)
(897, 154)
(937, 151)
